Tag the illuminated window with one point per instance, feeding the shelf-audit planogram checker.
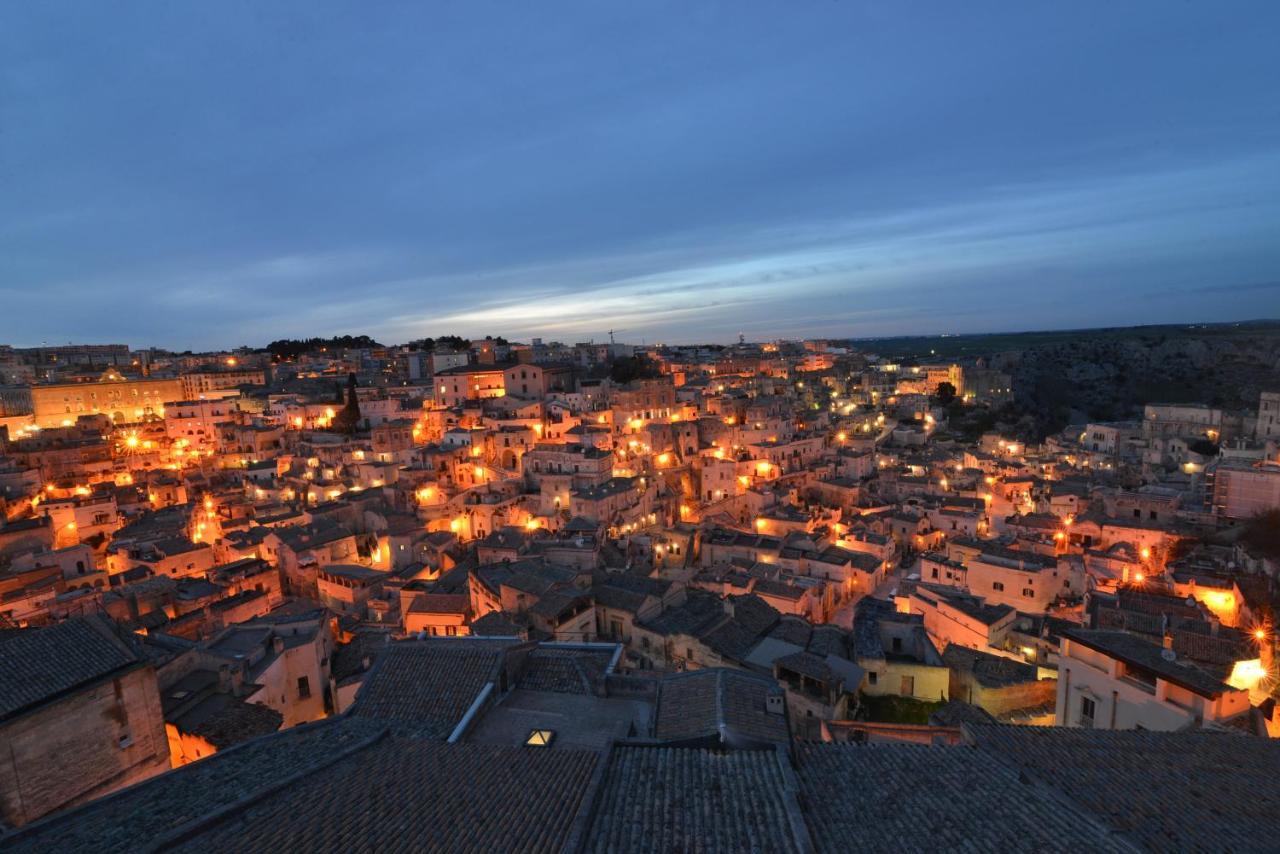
(540, 738)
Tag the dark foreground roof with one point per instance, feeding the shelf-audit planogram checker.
(1182, 791)
(686, 799)
(381, 779)
(415, 795)
(151, 812)
(914, 797)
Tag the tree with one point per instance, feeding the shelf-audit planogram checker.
(945, 393)
(451, 342)
(1262, 534)
(348, 419)
(289, 348)
(630, 368)
(1203, 447)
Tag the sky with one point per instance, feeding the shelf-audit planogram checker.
(201, 175)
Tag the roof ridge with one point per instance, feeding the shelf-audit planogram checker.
(721, 724)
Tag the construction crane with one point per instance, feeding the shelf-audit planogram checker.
(611, 331)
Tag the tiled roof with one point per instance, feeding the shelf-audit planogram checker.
(795, 630)
(681, 799)
(806, 664)
(1187, 791)
(731, 639)
(699, 611)
(991, 671)
(441, 603)
(956, 712)
(349, 658)
(140, 816)
(37, 665)
(224, 720)
(755, 614)
(427, 686)
(564, 671)
(972, 606)
(912, 797)
(718, 703)
(828, 640)
(1133, 650)
(618, 599)
(496, 624)
(407, 794)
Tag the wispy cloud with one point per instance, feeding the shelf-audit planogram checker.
(831, 170)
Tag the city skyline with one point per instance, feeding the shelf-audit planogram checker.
(585, 427)
(849, 171)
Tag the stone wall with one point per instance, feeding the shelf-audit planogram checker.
(83, 746)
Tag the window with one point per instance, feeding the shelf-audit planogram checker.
(997, 585)
(897, 644)
(1028, 592)
(304, 687)
(1087, 709)
(540, 738)
(871, 677)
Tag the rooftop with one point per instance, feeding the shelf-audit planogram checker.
(41, 665)
(1135, 651)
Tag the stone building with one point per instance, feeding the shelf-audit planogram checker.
(80, 716)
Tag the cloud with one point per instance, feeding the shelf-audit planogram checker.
(684, 173)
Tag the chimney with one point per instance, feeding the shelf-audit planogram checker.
(277, 643)
(773, 704)
(224, 678)
(1168, 640)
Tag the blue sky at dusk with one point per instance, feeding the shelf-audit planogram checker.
(210, 174)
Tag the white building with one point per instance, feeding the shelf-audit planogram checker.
(1116, 680)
